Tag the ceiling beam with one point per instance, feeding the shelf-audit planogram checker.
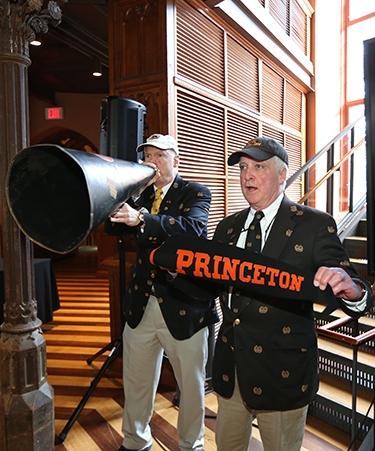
(82, 40)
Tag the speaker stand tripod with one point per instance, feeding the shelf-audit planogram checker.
(115, 348)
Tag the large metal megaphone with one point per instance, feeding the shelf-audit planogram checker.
(57, 196)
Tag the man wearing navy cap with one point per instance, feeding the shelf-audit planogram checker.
(266, 357)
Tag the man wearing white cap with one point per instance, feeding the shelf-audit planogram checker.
(157, 319)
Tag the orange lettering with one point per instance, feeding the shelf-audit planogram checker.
(201, 264)
(272, 272)
(229, 269)
(241, 275)
(184, 260)
(296, 282)
(284, 279)
(215, 274)
(258, 269)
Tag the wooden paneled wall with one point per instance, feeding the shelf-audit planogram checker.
(138, 57)
(203, 81)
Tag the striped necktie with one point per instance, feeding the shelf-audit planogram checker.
(254, 234)
(157, 201)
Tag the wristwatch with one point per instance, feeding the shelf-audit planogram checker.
(141, 218)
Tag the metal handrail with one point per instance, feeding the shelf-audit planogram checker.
(331, 171)
(349, 222)
(329, 152)
(323, 151)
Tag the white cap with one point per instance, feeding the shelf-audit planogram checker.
(163, 142)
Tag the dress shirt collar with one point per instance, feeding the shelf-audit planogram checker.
(164, 188)
(271, 210)
(266, 222)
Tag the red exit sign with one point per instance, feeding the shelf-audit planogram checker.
(53, 113)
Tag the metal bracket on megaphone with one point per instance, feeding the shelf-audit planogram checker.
(57, 196)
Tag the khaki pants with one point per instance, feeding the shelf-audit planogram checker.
(143, 354)
(280, 431)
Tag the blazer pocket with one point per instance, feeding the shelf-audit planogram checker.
(290, 341)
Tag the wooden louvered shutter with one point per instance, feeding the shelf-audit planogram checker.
(212, 123)
(272, 94)
(294, 146)
(200, 48)
(200, 136)
(271, 132)
(243, 75)
(298, 26)
(240, 130)
(279, 10)
(293, 107)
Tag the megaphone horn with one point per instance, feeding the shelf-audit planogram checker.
(57, 196)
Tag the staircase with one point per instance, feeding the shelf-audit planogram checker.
(347, 346)
(356, 247)
(341, 354)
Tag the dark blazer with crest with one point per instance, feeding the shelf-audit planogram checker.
(183, 212)
(269, 343)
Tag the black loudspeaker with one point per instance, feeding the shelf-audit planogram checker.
(369, 75)
(121, 127)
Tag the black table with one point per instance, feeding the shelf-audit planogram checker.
(45, 289)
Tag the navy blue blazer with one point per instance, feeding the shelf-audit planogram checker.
(183, 212)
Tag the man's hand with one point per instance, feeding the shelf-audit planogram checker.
(339, 280)
(127, 215)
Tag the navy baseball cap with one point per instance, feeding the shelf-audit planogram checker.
(260, 149)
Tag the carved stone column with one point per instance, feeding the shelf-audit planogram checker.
(26, 398)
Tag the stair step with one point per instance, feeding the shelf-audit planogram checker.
(340, 416)
(366, 320)
(73, 367)
(79, 340)
(361, 229)
(341, 368)
(84, 312)
(356, 246)
(346, 351)
(82, 298)
(359, 261)
(60, 319)
(360, 265)
(69, 353)
(84, 305)
(79, 330)
(340, 392)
